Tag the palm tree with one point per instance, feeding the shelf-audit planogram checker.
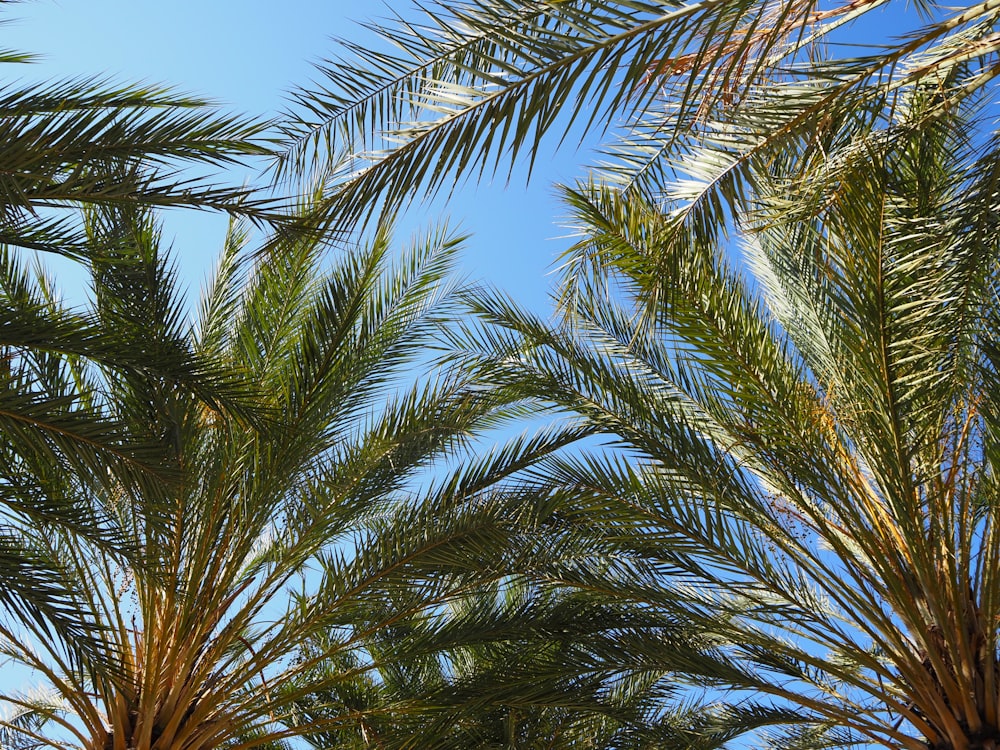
(804, 440)
(804, 436)
(494, 670)
(67, 144)
(302, 510)
(90, 142)
(704, 92)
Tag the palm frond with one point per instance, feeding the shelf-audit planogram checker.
(473, 83)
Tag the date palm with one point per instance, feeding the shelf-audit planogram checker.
(805, 435)
(293, 515)
(66, 145)
(704, 92)
(495, 670)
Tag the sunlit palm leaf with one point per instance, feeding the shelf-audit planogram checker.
(471, 85)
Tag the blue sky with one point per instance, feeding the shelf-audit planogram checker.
(247, 56)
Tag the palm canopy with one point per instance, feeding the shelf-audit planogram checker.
(302, 513)
(72, 144)
(91, 142)
(706, 91)
(806, 436)
(435, 686)
(515, 663)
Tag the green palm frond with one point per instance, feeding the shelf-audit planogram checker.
(84, 142)
(93, 142)
(504, 665)
(716, 86)
(800, 434)
(297, 423)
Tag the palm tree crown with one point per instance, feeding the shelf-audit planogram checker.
(72, 144)
(290, 505)
(806, 437)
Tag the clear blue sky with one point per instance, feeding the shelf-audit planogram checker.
(247, 55)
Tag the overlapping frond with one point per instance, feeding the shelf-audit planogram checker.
(84, 142)
(296, 424)
(706, 89)
(800, 434)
